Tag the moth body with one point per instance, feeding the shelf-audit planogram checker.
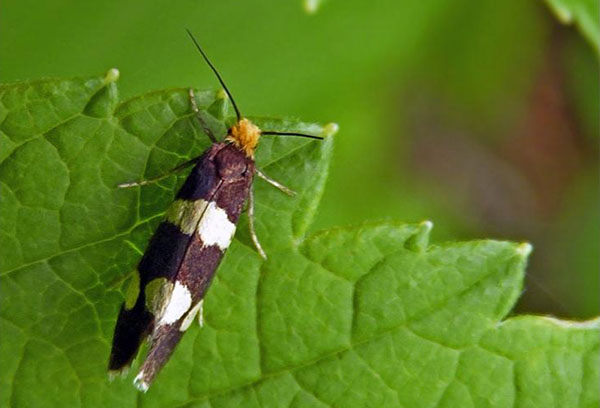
(172, 278)
(184, 253)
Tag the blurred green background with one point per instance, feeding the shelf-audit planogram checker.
(481, 116)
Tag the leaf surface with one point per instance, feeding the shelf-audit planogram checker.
(369, 316)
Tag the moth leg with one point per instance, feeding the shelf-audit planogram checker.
(203, 123)
(275, 183)
(191, 316)
(201, 313)
(251, 225)
(182, 166)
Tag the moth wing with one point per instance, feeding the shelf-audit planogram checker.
(153, 287)
(211, 220)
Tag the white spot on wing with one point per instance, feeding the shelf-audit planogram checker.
(215, 228)
(179, 303)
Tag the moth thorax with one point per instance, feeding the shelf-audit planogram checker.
(244, 135)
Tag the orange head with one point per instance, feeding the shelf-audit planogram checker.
(244, 134)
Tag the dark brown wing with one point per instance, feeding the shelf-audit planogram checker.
(205, 213)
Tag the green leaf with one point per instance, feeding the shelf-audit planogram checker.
(365, 316)
(583, 13)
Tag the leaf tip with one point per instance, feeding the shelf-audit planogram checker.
(220, 106)
(311, 6)
(426, 226)
(524, 249)
(420, 240)
(330, 129)
(561, 12)
(222, 94)
(112, 76)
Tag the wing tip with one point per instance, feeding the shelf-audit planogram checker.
(118, 373)
(140, 383)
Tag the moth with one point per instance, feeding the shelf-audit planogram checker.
(167, 292)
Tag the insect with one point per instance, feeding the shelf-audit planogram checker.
(182, 256)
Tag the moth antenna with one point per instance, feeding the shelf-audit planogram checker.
(212, 67)
(271, 132)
